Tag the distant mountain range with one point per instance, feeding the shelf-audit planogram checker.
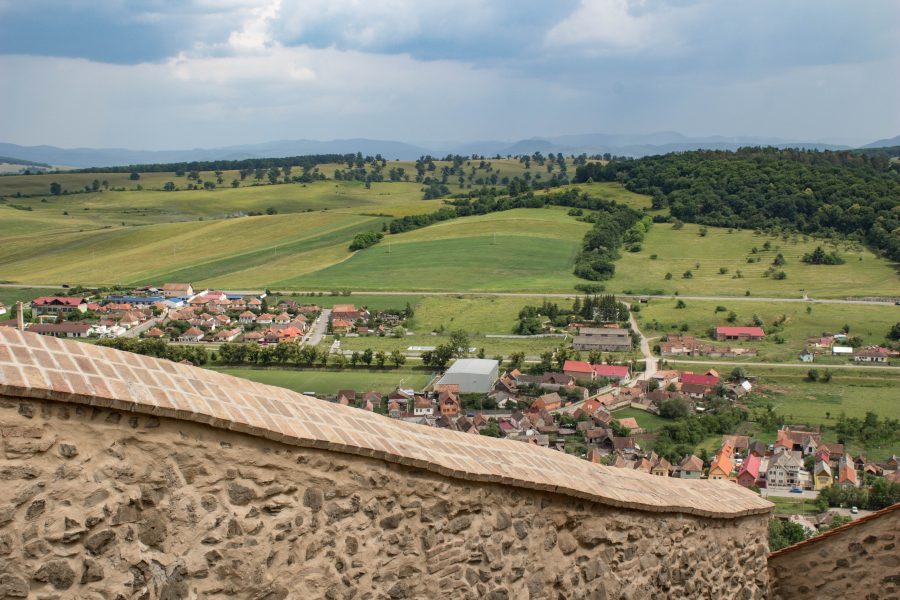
(636, 145)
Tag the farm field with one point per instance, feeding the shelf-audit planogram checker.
(329, 382)
(9, 296)
(679, 251)
(517, 250)
(870, 322)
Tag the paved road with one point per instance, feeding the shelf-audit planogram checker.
(885, 301)
(651, 362)
(137, 331)
(320, 326)
(786, 493)
(675, 359)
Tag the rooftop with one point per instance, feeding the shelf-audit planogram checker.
(40, 367)
(483, 366)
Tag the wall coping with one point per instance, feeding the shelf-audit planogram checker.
(46, 368)
(836, 531)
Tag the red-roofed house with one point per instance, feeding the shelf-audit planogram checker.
(579, 369)
(611, 372)
(698, 386)
(749, 473)
(740, 333)
(54, 305)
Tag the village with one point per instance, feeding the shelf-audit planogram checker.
(568, 404)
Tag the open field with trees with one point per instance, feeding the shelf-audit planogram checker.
(322, 381)
(787, 324)
(724, 269)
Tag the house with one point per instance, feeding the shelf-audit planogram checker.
(423, 407)
(65, 329)
(193, 334)
(448, 404)
(739, 333)
(171, 290)
(579, 370)
(227, 335)
(807, 356)
(254, 304)
(346, 397)
(282, 319)
(690, 467)
(394, 410)
(625, 444)
(784, 469)
(339, 326)
(131, 318)
(757, 448)
(56, 305)
(661, 468)
(607, 339)
(154, 333)
(348, 312)
(615, 372)
(804, 441)
(551, 401)
(749, 472)
(265, 319)
(847, 473)
(557, 379)
(253, 336)
(374, 398)
(822, 476)
(721, 466)
(740, 443)
(873, 354)
(598, 435)
(247, 318)
(698, 386)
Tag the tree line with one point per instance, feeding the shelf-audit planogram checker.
(823, 193)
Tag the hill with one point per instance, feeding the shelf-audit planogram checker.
(819, 193)
(894, 141)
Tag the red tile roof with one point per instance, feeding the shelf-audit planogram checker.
(751, 331)
(578, 366)
(610, 371)
(56, 301)
(692, 378)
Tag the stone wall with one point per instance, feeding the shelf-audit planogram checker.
(860, 560)
(103, 503)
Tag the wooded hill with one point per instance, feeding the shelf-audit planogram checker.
(821, 193)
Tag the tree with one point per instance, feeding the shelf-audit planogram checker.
(492, 429)
(397, 358)
(812, 375)
(55, 188)
(134, 176)
(169, 186)
(459, 342)
(367, 356)
(380, 358)
(894, 333)
(784, 533)
(674, 408)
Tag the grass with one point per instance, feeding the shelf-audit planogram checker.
(475, 315)
(679, 251)
(492, 346)
(373, 303)
(329, 382)
(483, 253)
(9, 297)
(792, 506)
(870, 322)
(646, 420)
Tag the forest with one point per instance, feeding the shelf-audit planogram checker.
(820, 193)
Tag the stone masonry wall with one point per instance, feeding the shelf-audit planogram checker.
(858, 561)
(101, 503)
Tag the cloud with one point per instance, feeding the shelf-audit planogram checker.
(255, 33)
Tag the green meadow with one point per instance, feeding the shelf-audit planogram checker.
(322, 381)
(678, 251)
(800, 320)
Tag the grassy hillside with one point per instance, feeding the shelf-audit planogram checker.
(678, 251)
(519, 250)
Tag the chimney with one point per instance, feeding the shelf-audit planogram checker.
(20, 318)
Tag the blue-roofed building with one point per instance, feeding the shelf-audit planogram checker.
(126, 299)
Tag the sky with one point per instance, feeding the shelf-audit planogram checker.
(172, 74)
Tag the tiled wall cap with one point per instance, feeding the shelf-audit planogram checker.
(39, 367)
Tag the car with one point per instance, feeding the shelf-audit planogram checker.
(854, 510)
(796, 490)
